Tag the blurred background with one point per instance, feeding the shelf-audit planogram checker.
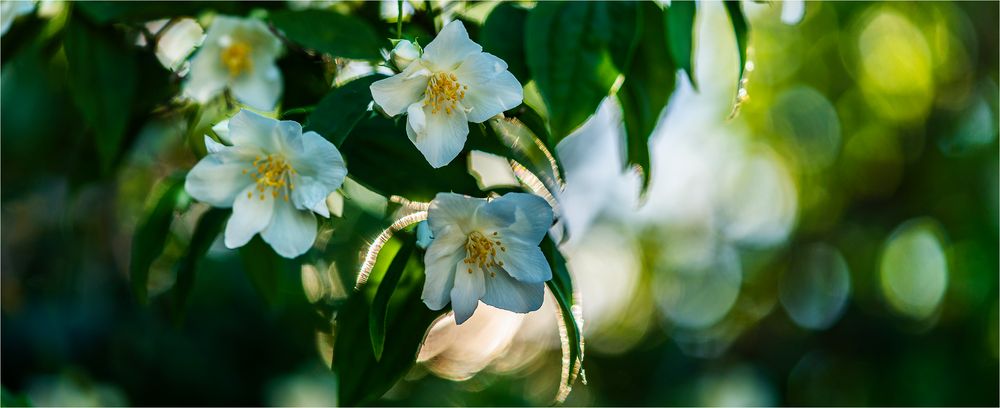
(831, 240)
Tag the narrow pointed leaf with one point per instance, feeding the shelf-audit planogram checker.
(680, 34)
(209, 226)
(561, 287)
(151, 234)
(740, 29)
(380, 304)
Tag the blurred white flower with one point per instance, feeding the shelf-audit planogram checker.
(451, 84)
(274, 177)
(178, 42)
(486, 250)
(238, 54)
(10, 10)
(404, 53)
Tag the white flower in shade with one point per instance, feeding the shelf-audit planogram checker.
(273, 176)
(454, 82)
(238, 54)
(486, 250)
(404, 53)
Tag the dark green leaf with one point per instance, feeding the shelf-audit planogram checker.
(151, 234)
(341, 109)
(381, 157)
(329, 32)
(626, 28)
(9, 399)
(503, 35)
(561, 286)
(740, 29)
(380, 304)
(138, 12)
(648, 84)
(102, 74)
(265, 269)
(680, 32)
(205, 232)
(362, 378)
(567, 54)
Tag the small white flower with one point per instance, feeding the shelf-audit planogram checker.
(454, 82)
(486, 250)
(404, 53)
(238, 54)
(178, 42)
(273, 176)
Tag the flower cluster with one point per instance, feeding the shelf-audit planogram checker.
(277, 178)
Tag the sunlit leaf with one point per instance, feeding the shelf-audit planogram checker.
(680, 35)
(151, 234)
(649, 81)
(561, 287)
(102, 73)
(341, 109)
(329, 32)
(380, 304)
(503, 35)
(567, 54)
(361, 377)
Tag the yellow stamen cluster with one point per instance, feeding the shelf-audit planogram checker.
(271, 172)
(482, 251)
(236, 58)
(443, 92)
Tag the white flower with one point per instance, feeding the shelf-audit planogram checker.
(404, 53)
(273, 176)
(238, 54)
(452, 83)
(177, 43)
(486, 250)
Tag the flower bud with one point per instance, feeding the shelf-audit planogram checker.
(404, 53)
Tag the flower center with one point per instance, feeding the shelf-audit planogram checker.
(236, 58)
(271, 172)
(443, 92)
(482, 251)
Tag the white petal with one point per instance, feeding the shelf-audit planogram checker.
(394, 94)
(526, 216)
(442, 257)
(320, 170)
(452, 210)
(208, 77)
(221, 130)
(525, 262)
(321, 209)
(218, 178)
(507, 293)
(259, 90)
(251, 214)
(211, 146)
(247, 128)
(178, 42)
(469, 288)
(492, 88)
(450, 47)
(291, 231)
(442, 136)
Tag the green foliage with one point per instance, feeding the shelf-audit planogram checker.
(329, 32)
(363, 378)
(649, 82)
(209, 226)
(103, 79)
(740, 29)
(569, 60)
(680, 34)
(380, 304)
(104, 12)
(265, 269)
(151, 234)
(561, 286)
(341, 109)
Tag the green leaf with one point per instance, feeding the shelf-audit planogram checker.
(567, 54)
(209, 226)
(151, 234)
(341, 109)
(362, 377)
(382, 158)
(380, 305)
(103, 12)
(329, 32)
(265, 269)
(9, 399)
(680, 34)
(561, 286)
(102, 77)
(740, 29)
(649, 81)
(503, 35)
